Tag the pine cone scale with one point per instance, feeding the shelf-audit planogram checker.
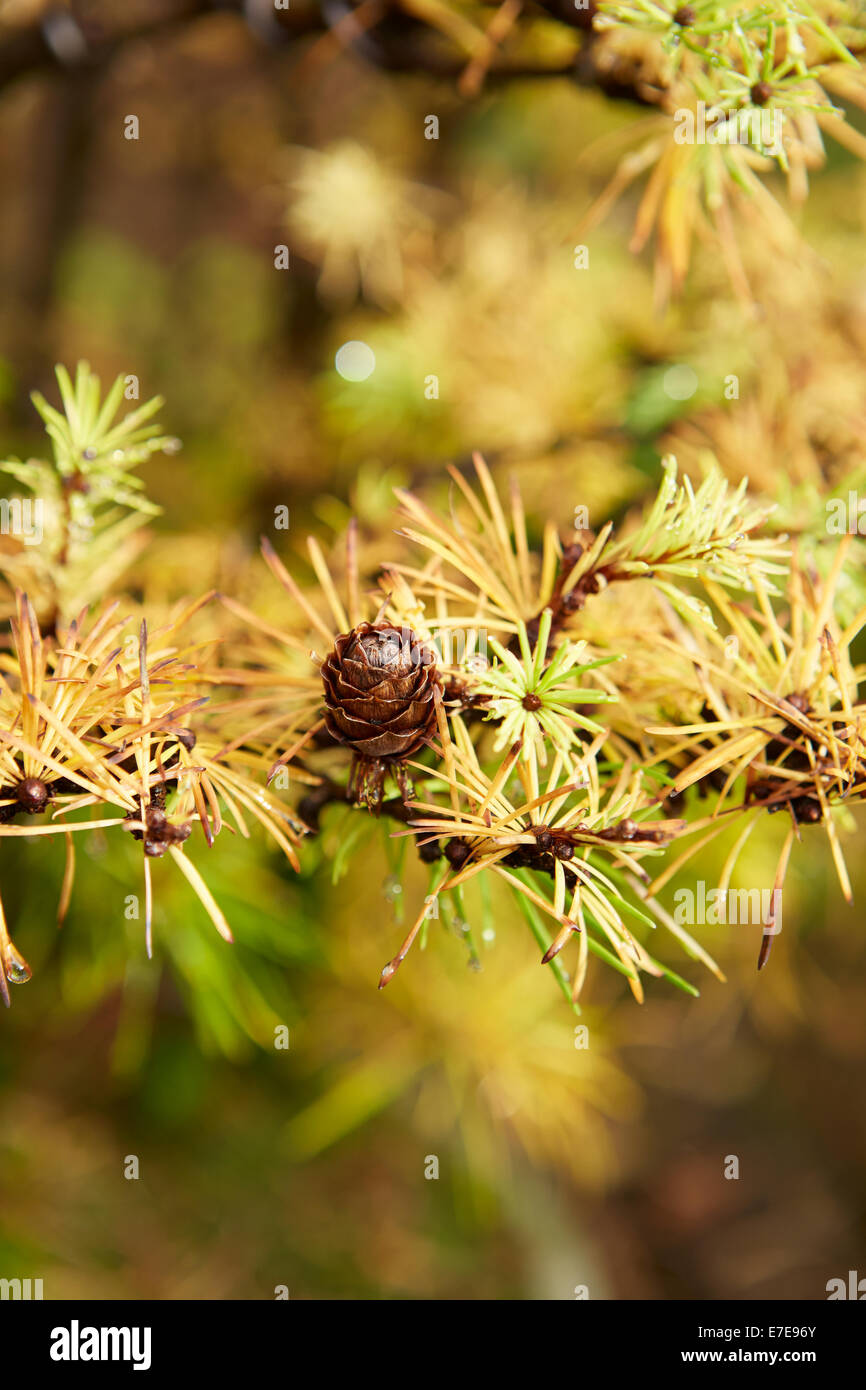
(388, 746)
(358, 677)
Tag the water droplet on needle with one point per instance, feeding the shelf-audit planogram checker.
(15, 967)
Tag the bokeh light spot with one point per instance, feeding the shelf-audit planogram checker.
(681, 382)
(355, 361)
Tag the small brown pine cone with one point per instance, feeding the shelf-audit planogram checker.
(381, 689)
